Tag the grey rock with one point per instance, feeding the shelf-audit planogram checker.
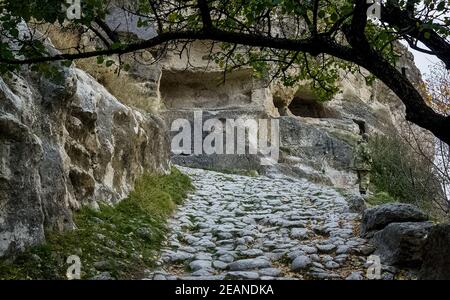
(252, 252)
(366, 249)
(327, 258)
(159, 277)
(180, 256)
(356, 204)
(200, 264)
(402, 243)
(242, 275)
(299, 233)
(228, 258)
(208, 277)
(323, 275)
(436, 261)
(202, 272)
(380, 216)
(300, 262)
(343, 249)
(292, 255)
(272, 272)
(331, 265)
(326, 248)
(315, 257)
(309, 249)
(203, 256)
(340, 259)
(248, 264)
(220, 265)
(355, 276)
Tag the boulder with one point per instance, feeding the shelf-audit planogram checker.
(436, 260)
(401, 244)
(356, 204)
(378, 217)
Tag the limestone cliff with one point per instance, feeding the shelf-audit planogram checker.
(66, 143)
(317, 139)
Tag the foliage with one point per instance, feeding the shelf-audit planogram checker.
(124, 238)
(400, 174)
(286, 19)
(437, 88)
(379, 198)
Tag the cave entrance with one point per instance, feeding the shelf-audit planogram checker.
(307, 106)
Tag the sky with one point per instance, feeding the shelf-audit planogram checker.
(423, 61)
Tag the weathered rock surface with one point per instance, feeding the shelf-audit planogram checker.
(378, 217)
(317, 139)
(401, 244)
(436, 259)
(66, 143)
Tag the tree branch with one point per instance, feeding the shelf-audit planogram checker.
(410, 26)
(205, 14)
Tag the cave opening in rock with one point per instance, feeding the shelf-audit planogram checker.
(187, 89)
(304, 105)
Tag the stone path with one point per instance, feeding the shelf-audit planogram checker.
(239, 227)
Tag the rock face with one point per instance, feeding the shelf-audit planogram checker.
(401, 244)
(317, 140)
(65, 143)
(436, 261)
(380, 216)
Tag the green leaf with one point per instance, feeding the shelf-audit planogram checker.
(126, 67)
(116, 45)
(66, 63)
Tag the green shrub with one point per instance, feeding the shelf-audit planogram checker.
(125, 238)
(400, 174)
(380, 198)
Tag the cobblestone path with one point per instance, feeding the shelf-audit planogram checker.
(242, 227)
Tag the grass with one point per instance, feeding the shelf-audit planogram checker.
(122, 240)
(380, 198)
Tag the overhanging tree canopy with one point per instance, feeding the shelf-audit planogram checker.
(317, 36)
